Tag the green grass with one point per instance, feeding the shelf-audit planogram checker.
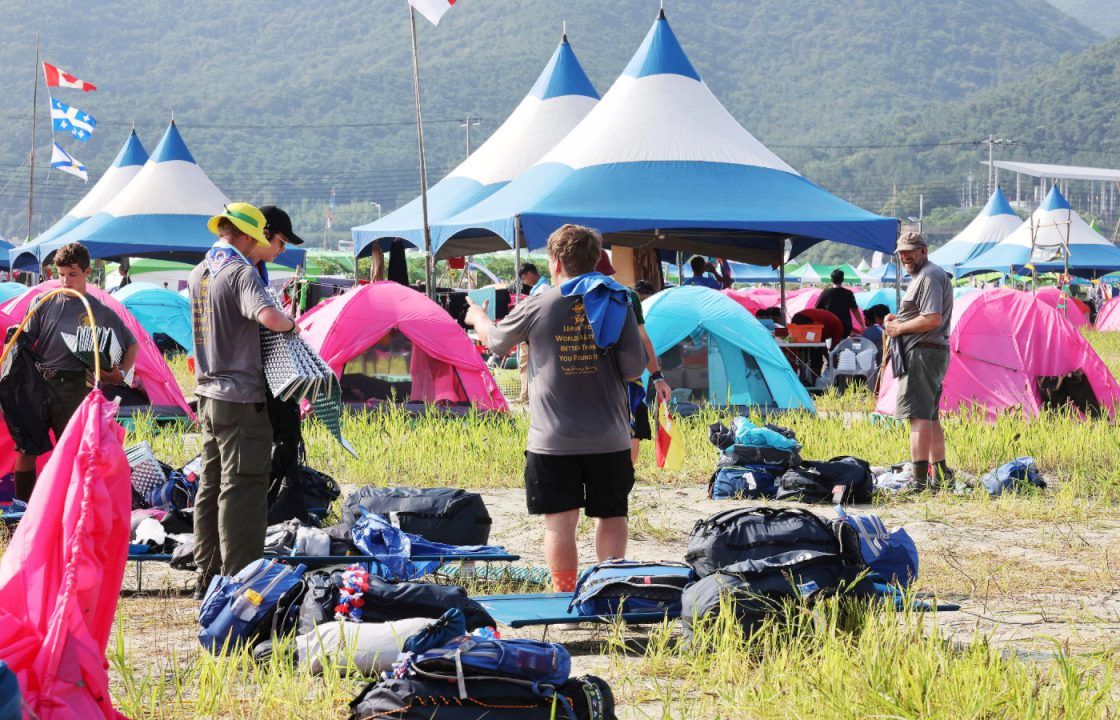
(836, 661)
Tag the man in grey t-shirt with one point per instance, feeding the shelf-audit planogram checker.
(921, 328)
(68, 380)
(228, 304)
(584, 347)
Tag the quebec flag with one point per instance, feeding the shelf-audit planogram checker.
(80, 124)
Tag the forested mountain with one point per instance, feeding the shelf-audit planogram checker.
(287, 100)
(1101, 15)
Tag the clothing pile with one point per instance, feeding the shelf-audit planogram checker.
(765, 462)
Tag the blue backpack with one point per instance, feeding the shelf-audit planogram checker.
(891, 555)
(472, 656)
(736, 482)
(235, 608)
(1019, 472)
(615, 586)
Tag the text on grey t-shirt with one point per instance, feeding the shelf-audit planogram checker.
(578, 401)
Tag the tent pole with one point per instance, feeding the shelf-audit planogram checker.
(680, 269)
(429, 274)
(782, 288)
(517, 253)
(31, 175)
(897, 270)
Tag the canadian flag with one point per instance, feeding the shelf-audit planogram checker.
(56, 77)
(433, 10)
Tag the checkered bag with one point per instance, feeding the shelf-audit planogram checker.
(82, 344)
(294, 371)
(147, 473)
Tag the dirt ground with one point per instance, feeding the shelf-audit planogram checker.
(1025, 584)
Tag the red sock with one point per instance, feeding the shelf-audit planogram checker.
(564, 580)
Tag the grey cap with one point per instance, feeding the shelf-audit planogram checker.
(911, 241)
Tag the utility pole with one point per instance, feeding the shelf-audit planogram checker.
(470, 121)
(31, 175)
(991, 142)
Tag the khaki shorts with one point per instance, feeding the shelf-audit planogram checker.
(919, 390)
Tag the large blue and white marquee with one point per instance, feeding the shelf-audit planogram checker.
(162, 212)
(1043, 241)
(995, 222)
(660, 162)
(125, 167)
(560, 98)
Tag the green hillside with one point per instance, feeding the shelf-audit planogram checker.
(1101, 15)
(285, 101)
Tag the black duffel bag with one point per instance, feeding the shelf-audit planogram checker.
(443, 515)
(414, 698)
(302, 493)
(759, 588)
(386, 601)
(812, 482)
(755, 533)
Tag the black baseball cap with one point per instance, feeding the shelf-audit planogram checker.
(277, 220)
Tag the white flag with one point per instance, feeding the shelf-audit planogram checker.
(433, 10)
(63, 161)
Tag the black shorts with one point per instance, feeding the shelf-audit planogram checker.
(640, 430)
(600, 483)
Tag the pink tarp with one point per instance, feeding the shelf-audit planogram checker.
(1001, 341)
(442, 353)
(755, 299)
(1052, 295)
(1108, 319)
(60, 577)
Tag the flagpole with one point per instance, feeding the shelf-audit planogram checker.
(31, 176)
(429, 279)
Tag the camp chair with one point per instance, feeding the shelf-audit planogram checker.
(853, 359)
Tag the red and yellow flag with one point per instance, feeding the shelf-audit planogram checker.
(669, 444)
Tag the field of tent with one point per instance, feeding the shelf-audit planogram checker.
(1005, 605)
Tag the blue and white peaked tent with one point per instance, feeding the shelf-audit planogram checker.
(659, 161)
(125, 167)
(1042, 242)
(995, 222)
(162, 212)
(560, 98)
(711, 345)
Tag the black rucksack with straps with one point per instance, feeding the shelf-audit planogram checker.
(442, 515)
(755, 533)
(385, 601)
(812, 482)
(487, 698)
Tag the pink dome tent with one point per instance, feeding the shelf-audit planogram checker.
(1073, 312)
(755, 299)
(385, 339)
(1002, 341)
(805, 298)
(153, 376)
(1108, 320)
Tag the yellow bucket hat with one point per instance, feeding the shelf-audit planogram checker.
(247, 218)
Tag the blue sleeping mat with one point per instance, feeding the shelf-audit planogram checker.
(12, 518)
(551, 609)
(317, 561)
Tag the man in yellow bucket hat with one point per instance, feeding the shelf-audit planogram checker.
(228, 302)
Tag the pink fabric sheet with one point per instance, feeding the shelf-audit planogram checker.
(1074, 314)
(1108, 319)
(60, 577)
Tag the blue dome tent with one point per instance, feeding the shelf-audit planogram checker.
(159, 310)
(660, 162)
(560, 98)
(882, 296)
(711, 345)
